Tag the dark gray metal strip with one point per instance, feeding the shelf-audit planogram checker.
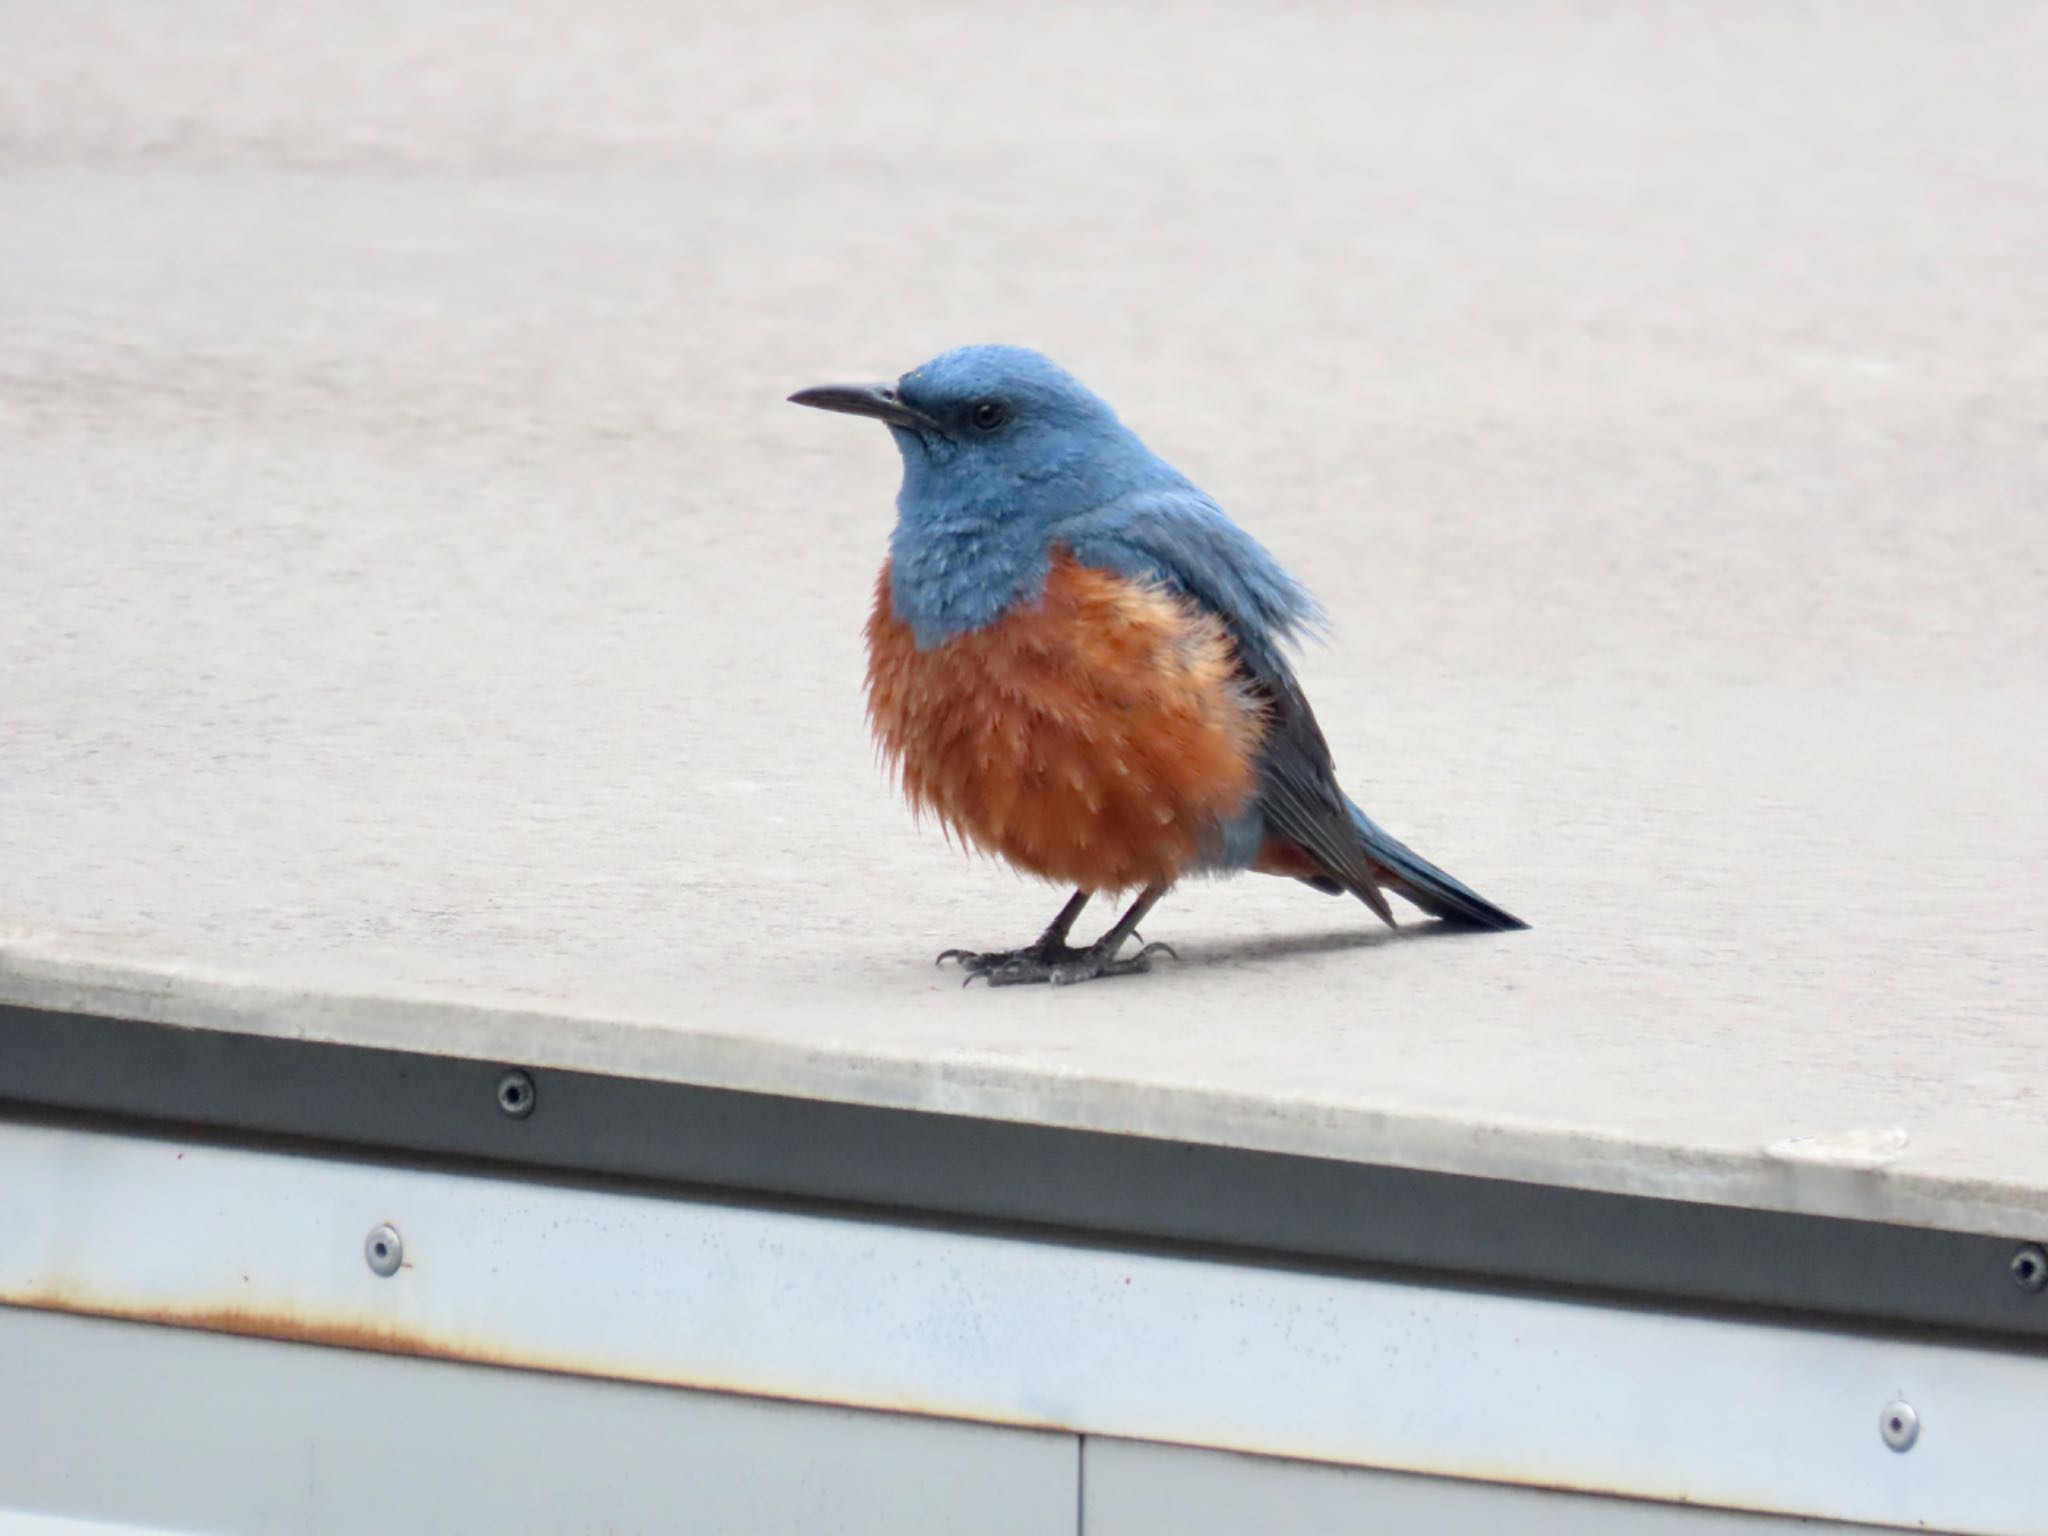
(1263, 1206)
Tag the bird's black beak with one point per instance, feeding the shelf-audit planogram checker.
(877, 400)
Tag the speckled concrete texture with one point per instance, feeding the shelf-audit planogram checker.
(422, 622)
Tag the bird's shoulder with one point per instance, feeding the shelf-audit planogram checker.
(1184, 542)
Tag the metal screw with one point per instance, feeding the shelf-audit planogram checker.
(516, 1094)
(2030, 1268)
(1899, 1424)
(384, 1249)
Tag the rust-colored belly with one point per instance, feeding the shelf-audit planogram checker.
(1096, 736)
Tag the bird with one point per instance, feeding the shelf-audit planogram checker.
(1077, 662)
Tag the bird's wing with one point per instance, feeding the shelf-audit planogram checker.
(1185, 542)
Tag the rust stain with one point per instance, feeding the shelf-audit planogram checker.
(286, 1327)
(290, 1328)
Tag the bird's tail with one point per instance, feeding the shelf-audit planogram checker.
(1415, 878)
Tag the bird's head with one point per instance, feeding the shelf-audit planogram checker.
(1000, 433)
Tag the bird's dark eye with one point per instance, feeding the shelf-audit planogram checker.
(989, 415)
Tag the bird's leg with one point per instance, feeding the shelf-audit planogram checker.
(1052, 960)
(1049, 947)
(1099, 959)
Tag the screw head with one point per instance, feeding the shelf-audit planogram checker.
(1899, 1424)
(516, 1094)
(384, 1250)
(2030, 1268)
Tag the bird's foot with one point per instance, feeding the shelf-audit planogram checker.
(1060, 964)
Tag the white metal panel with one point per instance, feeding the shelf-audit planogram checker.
(15, 1522)
(1133, 1489)
(867, 1314)
(175, 1429)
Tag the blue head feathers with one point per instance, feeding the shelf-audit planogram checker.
(1005, 455)
(1017, 436)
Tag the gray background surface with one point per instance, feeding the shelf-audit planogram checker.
(412, 584)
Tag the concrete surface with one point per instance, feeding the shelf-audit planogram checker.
(421, 621)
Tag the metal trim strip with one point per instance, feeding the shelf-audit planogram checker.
(1121, 1189)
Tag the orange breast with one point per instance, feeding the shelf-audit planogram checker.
(1095, 736)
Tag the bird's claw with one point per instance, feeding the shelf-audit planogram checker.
(1059, 965)
(979, 962)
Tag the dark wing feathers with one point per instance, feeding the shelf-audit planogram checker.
(1184, 542)
(1300, 800)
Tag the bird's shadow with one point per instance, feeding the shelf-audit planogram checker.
(1330, 942)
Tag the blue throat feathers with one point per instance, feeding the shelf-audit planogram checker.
(951, 575)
